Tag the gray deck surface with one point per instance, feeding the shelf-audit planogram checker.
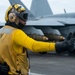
(51, 64)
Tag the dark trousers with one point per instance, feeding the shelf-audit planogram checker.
(4, 68)
(1, 73)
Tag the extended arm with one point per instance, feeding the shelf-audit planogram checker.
(21, 38)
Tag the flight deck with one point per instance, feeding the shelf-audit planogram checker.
(52, 64)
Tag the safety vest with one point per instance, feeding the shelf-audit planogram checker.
(17, 62)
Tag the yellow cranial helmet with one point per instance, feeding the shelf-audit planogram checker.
(17, 9)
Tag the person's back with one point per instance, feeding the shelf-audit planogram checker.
(5, 43)
(11, 53)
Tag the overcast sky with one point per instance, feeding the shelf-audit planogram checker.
(57, 6)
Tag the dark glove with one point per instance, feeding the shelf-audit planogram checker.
(4, 68)
(67, 45)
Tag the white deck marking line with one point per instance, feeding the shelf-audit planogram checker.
(35, 74)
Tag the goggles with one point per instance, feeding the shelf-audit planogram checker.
(23, 16)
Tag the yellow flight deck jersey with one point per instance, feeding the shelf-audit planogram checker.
(12, 41)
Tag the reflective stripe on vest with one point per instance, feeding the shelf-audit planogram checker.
(6, 30)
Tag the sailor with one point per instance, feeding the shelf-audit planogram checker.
(14, 43)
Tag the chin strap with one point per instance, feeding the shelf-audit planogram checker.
(11, 24)
(19, 26)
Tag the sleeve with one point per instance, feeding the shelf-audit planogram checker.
(22, 39)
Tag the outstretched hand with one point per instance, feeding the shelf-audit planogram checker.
(71, 38)
(71, 44)
(66, 45)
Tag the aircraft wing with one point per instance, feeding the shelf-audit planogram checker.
(67, 21)
(44, 22)
(52, 22)
(2, 24)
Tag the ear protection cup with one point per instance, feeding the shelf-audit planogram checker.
(12, 17)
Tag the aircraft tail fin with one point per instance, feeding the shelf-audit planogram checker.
(40, 8)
